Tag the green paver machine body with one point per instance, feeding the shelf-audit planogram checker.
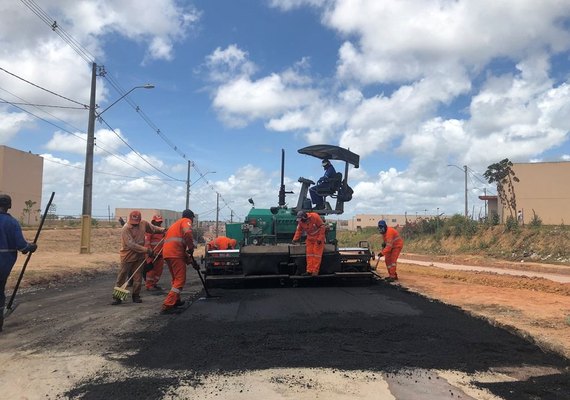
(264, 237)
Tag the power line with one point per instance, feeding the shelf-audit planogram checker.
(49, 21)
(85, 106)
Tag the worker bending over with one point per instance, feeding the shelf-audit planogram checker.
(392, 246)
(312, 224)
(222, 243)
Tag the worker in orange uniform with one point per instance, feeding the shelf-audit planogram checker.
(222, 243)
(154, 265)
(392, 246)
(312, 224)
(177, 250)
(133, 252)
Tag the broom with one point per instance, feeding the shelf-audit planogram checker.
(121, 293)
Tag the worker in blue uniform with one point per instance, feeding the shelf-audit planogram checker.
(11, 240)
(324, 183)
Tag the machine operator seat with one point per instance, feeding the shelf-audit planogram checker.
(331, 186)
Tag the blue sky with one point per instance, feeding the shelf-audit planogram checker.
(412, 86)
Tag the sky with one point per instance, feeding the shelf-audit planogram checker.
(418, 88)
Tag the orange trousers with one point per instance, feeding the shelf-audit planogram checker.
(391, 260)
(314, 253)
(177, 267)
(153, 276)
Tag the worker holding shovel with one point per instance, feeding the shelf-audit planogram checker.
(11, 241)
(177, 250)
(391, 248)
(133, 252)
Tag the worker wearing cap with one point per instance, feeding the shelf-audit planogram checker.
(322, 183)
(154, 265)
(391, 248)
(177, 250)
(11, 241)
(312, 224)
(133, 252)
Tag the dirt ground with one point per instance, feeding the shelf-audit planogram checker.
(535, 308)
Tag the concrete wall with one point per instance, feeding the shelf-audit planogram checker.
(21, 178)
(544, 188)
(360, 221)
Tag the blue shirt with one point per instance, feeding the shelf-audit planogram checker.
(11, 240)
(329, 174)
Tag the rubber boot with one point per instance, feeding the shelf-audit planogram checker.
(393, 276)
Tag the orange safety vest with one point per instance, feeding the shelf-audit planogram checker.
(178, 238)
(314, 227)
(220, 243)
(392, 239)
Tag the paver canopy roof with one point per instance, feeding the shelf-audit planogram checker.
(330, 152)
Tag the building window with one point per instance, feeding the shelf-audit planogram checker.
(357, 219)
(394, 220)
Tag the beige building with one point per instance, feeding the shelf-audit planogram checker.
(544, 189)
(21, 177)
(360, 221)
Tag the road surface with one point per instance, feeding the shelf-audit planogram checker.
(310, 342)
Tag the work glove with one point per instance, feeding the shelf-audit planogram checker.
(150, 253)
(294, 241)
(31, 247)
(383, 245)
(190, 252)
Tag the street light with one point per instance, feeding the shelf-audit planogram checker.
(464, 169)
(146, 86)
(85, 244)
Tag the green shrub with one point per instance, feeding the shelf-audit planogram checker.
(535, 222)
(511, 224)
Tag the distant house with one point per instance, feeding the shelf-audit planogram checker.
(543, 189)
(21, 175)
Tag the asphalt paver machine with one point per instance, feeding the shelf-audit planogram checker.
(264, 237)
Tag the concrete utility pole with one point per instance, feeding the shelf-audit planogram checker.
(465, 170)
(85, 243)
(188, 186)
(217, 212)
(466, 209)
(88, 181)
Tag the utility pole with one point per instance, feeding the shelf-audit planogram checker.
(217, 212)
(85, 245)
(231, 216)
(188, 186)
(466, 209)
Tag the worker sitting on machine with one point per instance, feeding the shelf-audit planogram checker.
(325, 183)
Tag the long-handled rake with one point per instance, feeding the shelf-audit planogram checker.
(195, 264)
(121, 293)
(10, 307)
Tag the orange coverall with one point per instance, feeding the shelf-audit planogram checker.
(178, 239)
(391, 252)
(221, 243)
(154, 242)
(315, 229)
